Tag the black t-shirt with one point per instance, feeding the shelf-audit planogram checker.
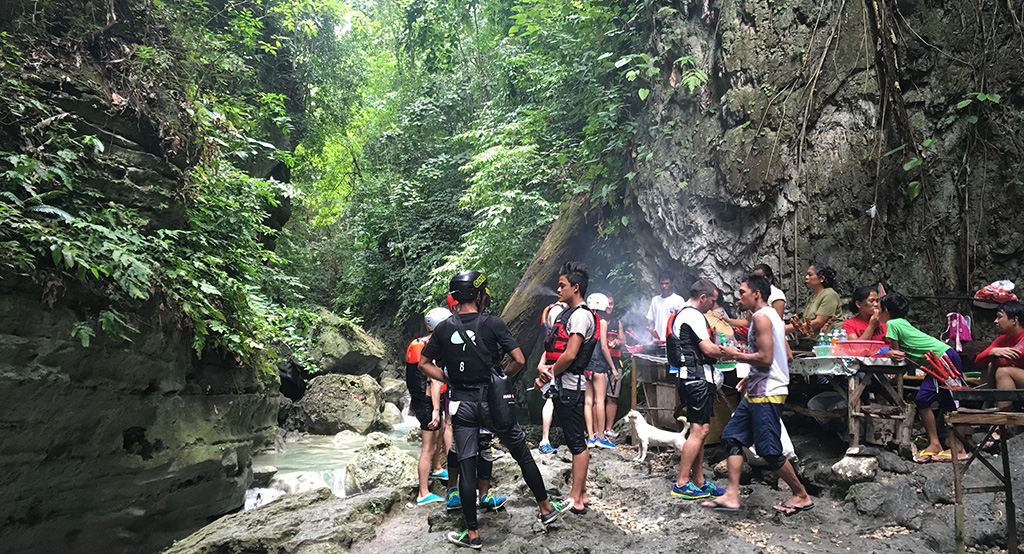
(446, 346)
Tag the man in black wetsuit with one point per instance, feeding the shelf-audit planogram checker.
(469, 379)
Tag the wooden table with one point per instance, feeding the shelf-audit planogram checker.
(859, 372)
(995, 421)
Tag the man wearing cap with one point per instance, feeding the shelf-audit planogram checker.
(458, 344)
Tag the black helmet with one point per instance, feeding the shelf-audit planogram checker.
(466, 284)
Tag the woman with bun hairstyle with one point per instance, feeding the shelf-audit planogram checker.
(823, 309)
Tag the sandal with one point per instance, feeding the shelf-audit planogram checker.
(925, 457)
(946, 456)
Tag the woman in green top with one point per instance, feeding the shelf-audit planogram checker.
(823, 308)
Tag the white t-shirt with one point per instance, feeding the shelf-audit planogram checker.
(660, 309)
(696, 321)
(581, 322)
(776, 294)
(773, 380)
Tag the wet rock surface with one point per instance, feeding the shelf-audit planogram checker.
(631, 511)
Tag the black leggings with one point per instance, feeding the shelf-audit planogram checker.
(466, 424)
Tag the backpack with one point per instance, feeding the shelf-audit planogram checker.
(958, 328)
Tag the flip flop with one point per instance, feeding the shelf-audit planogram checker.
(947, 456)
(789, 510)
(715, 505)
(925, 457)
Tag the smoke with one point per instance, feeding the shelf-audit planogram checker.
(636, 318)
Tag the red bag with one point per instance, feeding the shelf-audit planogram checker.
(999, 292)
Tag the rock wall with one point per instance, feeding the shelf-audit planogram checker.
(119, 447)
(781, 156)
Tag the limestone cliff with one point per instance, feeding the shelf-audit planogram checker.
(783, 155)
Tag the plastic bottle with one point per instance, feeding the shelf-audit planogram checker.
(721, 340)
(821, 338)
(843, 336)
(834, 338)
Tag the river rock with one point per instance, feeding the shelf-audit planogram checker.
(379, 464)
(313, 522)
(391, 414)
(855, 469)
(395, 391)
(342, 347)
(347, 437)
(262, 474)
(336, 402)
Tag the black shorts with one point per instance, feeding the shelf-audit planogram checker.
(615, 385)
(698, 396)
(569, 409)
(424, 411)
(467, 421)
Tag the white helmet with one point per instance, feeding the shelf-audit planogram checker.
(435, 316)
(597, 302)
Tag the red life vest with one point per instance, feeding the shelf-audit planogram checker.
(558, 339)
(613, 333)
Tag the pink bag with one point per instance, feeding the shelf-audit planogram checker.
(958, 328)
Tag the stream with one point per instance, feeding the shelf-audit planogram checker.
(314, 461)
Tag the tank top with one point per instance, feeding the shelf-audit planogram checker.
(769, 383)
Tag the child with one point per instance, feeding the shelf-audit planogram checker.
(1004, 355)
(906, 341)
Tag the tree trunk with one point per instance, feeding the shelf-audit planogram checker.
(563, 243)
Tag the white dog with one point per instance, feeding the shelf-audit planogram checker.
(650, 435)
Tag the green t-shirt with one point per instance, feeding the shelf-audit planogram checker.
(912, 341)
(826, 303)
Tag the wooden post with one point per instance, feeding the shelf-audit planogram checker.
(958, 492)
(1011, 510)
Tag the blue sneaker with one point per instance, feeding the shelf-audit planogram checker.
(452, 500)
(689, 491)
(603, 442)
(428, 499)
(493, 502)
(591, 443)
(439, 474)
(546, 448)
(711, 489)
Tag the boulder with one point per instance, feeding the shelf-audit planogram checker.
(314, 522)
(855, 469)
(395, 391)
(340, 346)
(894, 501)
(337, 402)
(262, 474)
(391, 414)
(379, 464)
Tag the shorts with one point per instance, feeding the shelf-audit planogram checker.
(930, 396)
(598, 364)
(423, 410)
(699, 398)
(569, 409)
(758, 424)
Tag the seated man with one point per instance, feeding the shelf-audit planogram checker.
(1004, 354)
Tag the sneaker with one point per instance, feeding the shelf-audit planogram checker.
(546, 448)
(591, 443)
(452, 500)
(493, 502)
(492, 454)
(439, 474)
(689, 491)
(711, 489)
(462, 539)
(559, 508)
(604, 443)
(428, 499)
(611, 434)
